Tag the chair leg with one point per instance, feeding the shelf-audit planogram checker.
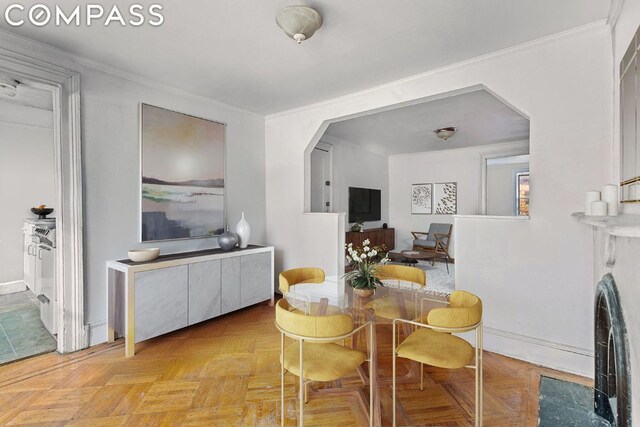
(477, 391)
(422, 377)
(393, 379)
(371, 379)
(301, 391)
(282, 380)
(481, 375)
(478, 376)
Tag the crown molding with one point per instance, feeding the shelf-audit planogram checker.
(500, 147)
(38, 50)
(25, 115)
(334, 140)
(9, 123)
(614, 12)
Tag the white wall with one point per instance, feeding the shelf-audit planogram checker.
(460, 165)
(354, 166)
(534, 275)
(501, 188)
(110, 101)
(111, 163)
(26, 178)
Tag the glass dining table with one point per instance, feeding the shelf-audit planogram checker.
(396, 299)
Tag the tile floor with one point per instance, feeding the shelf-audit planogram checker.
(22, 333)
(567, 404)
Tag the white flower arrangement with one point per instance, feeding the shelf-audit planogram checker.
(364, 262)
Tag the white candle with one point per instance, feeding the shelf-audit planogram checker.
(610, 195)
(590, 197)
(599, 208)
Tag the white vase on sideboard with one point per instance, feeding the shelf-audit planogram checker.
(243, 230)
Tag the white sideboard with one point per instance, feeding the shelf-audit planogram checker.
(148, 299)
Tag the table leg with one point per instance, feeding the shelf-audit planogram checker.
(130, 327)
(111, 304)
(322, 308)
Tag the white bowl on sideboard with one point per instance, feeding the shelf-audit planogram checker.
(141, 255)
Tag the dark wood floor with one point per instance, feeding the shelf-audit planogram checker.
(226, 372)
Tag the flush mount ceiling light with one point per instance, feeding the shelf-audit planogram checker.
(299, 22)
(445, 133)
(8, 86)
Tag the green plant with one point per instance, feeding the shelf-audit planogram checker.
(357, 226)
(364, 262)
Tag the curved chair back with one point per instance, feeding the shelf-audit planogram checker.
(442, 229)
(401, 272)
(296, 276)
(306, 326)
(464, 310)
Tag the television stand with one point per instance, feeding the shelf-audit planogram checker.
(376, 236)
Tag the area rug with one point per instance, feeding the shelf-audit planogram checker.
(566, 404)
(439, 281)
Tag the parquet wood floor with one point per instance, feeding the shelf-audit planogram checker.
(226, 372)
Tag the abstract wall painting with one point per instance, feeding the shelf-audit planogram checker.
(183, 187)
(445, 196)
(421, 198)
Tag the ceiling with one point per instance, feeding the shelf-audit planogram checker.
(480, 119)
(30, 96)
(233, 51)
(31, 106)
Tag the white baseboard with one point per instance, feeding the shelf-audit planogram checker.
(97, 333)
(12, 287)
(540, 352)
(533, 350)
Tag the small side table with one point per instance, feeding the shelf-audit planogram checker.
(410, 257)
(399, 257)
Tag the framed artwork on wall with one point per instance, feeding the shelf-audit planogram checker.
(421, 198)
(445, 196)
(182, 175)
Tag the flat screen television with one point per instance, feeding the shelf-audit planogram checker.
(364, 204)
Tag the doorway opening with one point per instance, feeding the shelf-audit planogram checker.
(28, 301)
(400, 181)
(52, 248)
(322, 177)
(506, 183)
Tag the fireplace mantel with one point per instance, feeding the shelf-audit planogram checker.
(616, 244)
(624, 225)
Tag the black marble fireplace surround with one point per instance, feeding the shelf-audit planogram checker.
(612, 397)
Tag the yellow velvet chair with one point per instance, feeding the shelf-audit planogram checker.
(401, 273)
(314, 355)
(434, 342)
(297, 276)
(387, 308)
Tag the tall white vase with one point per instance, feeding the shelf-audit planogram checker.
(243, 230)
